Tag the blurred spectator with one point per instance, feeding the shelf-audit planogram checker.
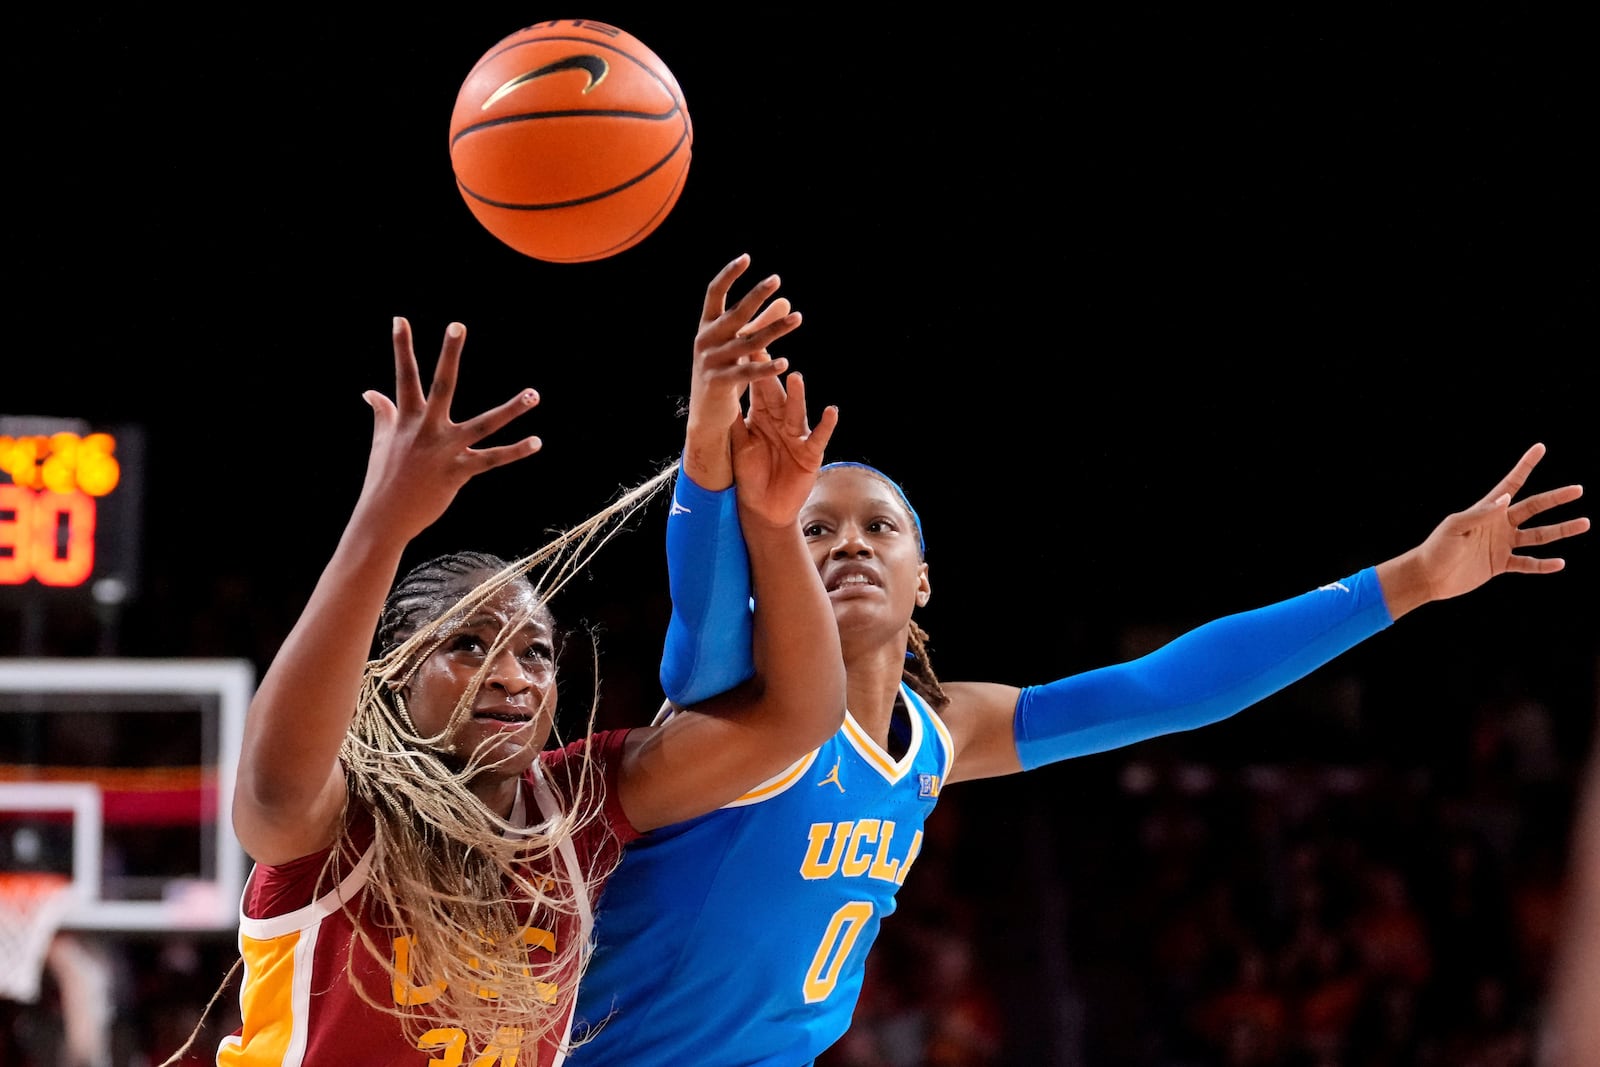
(1390, 935)
(1570, 1030)
(1246, 1022)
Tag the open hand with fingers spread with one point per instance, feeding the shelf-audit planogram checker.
(1470, 547)
(420, 458)
(776, 451)
(730, 353)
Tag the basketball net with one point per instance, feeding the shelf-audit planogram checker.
(32, 905)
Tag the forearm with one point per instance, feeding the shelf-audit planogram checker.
(1206, 675)
(795, 640)
(707, 646)
(301, 710)
(706, 459)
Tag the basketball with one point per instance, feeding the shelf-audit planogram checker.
(570, 141)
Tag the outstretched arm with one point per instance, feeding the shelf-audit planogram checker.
(1228, 664)
(709, 754)
(291, 787)
(707, 647)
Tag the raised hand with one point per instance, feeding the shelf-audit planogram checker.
(1470, 547)
(420, 458)
(730, 353)
(291, 785)
(776, 451)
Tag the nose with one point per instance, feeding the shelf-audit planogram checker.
(508, 673)
(850, 542)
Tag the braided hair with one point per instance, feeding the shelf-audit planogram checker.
(447, 873)
(425, 592)
(918, 672)
(454, 883)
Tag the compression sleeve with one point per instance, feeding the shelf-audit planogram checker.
(707, 649)
(1201, 677)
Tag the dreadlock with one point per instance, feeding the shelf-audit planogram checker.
(460, 890)
(425, 592)
(465, 889)
(450, 880)
(918, 672)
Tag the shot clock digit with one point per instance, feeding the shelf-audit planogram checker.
(68, 504)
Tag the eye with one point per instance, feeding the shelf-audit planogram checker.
(467, 642)
(540, 652)
(881, 525)
(813, 529)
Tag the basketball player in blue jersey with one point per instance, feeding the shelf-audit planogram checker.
(739, 938)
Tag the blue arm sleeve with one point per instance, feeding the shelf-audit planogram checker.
(707, 648)
(1205, 675)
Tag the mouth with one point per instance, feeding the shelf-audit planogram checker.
(510, 716)
(851, 580)
(850, 574)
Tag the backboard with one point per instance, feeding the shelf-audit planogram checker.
(157, 742)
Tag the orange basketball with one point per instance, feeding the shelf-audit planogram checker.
(570, 140)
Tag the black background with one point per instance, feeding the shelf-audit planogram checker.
(1158, 313)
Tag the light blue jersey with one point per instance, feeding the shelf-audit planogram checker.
(739, 939)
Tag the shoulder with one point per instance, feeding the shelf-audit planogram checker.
(973, 704)
(980, 717)
(601, 747)
(575, 769)
(278, 889)
(598, 753)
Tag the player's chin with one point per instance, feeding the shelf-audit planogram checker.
(509, 748)
(506, 760)
(856, 600)
(866, 618)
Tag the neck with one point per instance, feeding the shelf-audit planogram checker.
(871, 684)
(498, 794)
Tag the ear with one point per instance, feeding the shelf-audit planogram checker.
(924, 590)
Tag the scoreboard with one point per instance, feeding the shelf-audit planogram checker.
(69, 508)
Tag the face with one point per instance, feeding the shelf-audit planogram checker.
(864, 543)
(510, 711)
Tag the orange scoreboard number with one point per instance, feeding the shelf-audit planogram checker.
(68, 497)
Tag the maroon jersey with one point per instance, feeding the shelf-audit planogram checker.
(298, 1004)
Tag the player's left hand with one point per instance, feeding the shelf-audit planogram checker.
(777, 452)
(1486, 540)
(730, 352)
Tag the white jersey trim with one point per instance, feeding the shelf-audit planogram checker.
(892, 770)
(550, 807)
(939, 728)
(312, 914)
(778, 783)
(768, 789)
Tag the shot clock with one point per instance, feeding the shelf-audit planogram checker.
(69, 507)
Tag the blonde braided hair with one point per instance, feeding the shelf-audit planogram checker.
(423, 813)
(466, 889)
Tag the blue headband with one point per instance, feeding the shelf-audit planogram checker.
(922, 545)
